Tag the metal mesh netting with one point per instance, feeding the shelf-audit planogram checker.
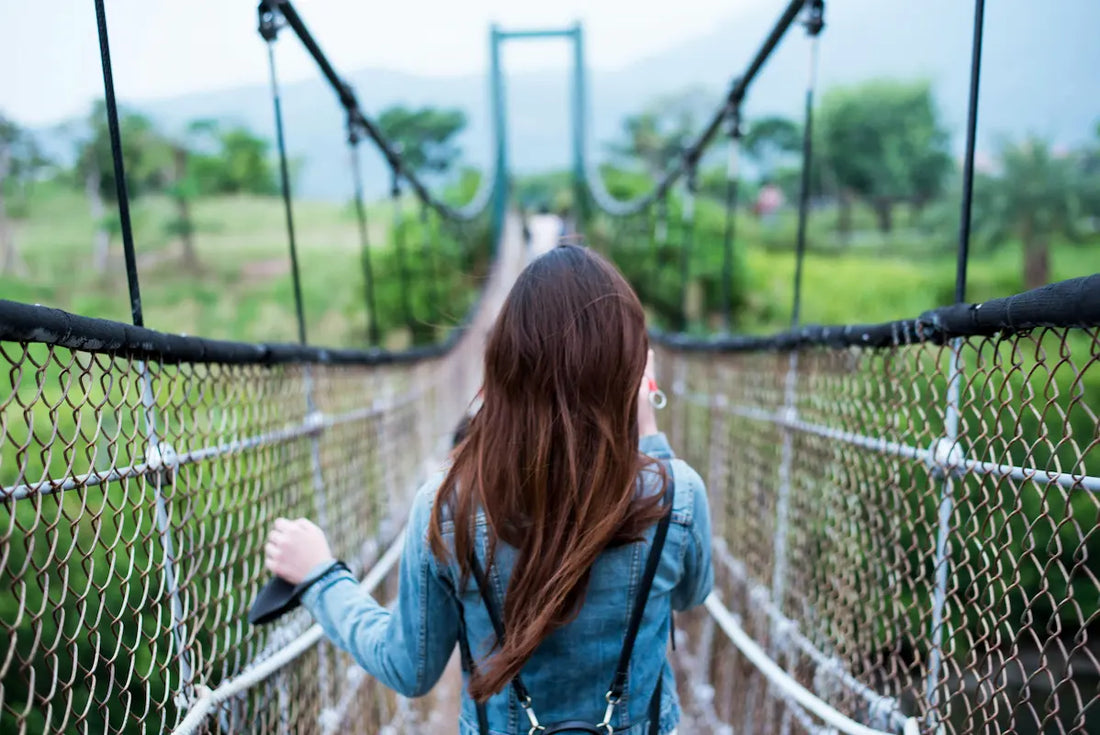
(135, 498)
(889, 568)
(132, 585)
(908, 530)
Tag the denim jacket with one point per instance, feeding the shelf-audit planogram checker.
(407, 647)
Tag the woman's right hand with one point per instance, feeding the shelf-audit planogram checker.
(647, 415)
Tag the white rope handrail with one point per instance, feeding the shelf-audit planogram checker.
(207, 699)
(785, 683)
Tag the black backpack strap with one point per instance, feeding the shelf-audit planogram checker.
(497, 619)
(653, 560)
(615, 691)
(618, 683)
(467, 660)
(468, 667)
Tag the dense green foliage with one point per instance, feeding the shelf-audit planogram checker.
(229, 160)
(884, 195)
(771, 140)
(882, 141)
(425, 137)
(1018, 550)
(242, 291)
(145, 156)
(1036, 197)
(658, 134)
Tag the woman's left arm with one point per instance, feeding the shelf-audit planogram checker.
(405, 648)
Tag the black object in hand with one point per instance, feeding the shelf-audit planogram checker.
(279, 596)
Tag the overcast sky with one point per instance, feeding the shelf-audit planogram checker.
(50, 55)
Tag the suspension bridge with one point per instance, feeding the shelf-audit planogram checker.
(905, 514)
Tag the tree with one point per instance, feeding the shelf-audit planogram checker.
(658, 134)
(145, 157)
(1090, 175)
(769, 141)
(425, 136)
(230, 160)
(1034, 197)
(648, 143)
(209, 159)
(183, 185)
(20, 159)
(882, 141)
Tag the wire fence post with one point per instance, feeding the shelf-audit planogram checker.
(783, 492)
(159, 456)
(943, 454)
(502, 186)
(315, 422)
(580, 118)
(814, 23)
(162, 457)
(269, 29)
(949, 451)
(659, 234)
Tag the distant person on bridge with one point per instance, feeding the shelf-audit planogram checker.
(555, 546)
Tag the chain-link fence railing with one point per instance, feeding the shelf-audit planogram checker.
(139, 474)
(906, 517)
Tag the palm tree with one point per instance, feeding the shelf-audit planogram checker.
(1034, 198)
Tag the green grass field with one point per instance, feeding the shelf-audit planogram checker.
(243, 289)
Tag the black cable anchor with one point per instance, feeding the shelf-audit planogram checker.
(815, 17)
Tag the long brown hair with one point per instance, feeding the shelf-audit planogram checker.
(552, 456)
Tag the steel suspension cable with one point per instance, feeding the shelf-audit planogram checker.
(269, 30)
(968, 162)
(660, 239)
(389, 151)
(364, 235)
(733, 176)
(427, 255)
(952, 411)
(815, 21)
(687, 234)
(121, 192)
(693, 153)
(399, 251)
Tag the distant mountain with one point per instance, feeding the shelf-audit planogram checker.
(1041, 74)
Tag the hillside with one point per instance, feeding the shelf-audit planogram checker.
(1039, 75)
